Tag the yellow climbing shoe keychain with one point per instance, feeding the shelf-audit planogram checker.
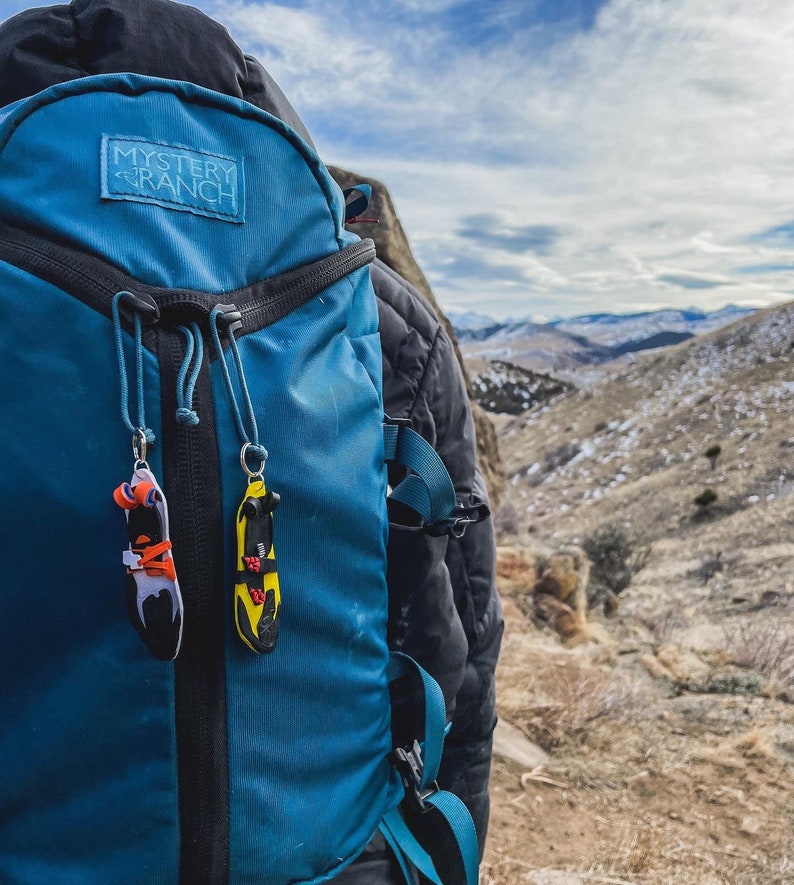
(257, 598)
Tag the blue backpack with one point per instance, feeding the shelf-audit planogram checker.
(196, 684)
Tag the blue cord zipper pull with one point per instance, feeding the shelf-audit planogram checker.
(185, 386)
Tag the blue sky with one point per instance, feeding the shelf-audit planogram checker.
(556, 157)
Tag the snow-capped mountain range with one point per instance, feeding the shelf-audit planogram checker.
(574, 349)
(635, 331)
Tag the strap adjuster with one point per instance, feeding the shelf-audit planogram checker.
(459, 520)
(410, 765)
(397, 422)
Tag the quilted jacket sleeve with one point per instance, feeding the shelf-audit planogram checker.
(423, 382)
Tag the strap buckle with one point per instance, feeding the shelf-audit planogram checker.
(411, 766)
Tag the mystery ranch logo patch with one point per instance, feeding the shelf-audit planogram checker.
(172, 176)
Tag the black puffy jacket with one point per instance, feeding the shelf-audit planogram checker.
(450, 618)
(423, 381)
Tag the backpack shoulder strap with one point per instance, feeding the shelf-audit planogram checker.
(431, 830)
(427, 488)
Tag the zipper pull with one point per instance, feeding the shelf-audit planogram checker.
(229, 317)
(142, 306)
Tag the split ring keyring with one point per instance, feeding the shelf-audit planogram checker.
(244, 464)
(139, 447)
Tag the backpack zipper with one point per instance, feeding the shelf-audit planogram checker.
(94, 280)
(191, 473)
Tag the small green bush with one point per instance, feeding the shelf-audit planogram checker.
(615, 558)
(712, 453)
(706, 498)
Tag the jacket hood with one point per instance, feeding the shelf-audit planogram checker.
(157, 38)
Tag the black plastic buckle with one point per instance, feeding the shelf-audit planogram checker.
(411, 767)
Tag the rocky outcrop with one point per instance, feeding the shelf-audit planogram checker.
(394, 249)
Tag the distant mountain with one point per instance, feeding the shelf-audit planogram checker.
(537, 347)
(615, 330)
(569, 345)
(607, 329)
(660, 339)
(471, 321)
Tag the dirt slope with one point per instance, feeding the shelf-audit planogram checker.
(672, 741)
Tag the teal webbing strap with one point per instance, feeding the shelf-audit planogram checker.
(413, 492)
(447, 830)
(402, 860)
(461, 826)
(441, 836)
(428, 490)
(406, 848)
(435, 714)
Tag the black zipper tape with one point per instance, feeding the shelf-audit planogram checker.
(94, 280)
(191, 481)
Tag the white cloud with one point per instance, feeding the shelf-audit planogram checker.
(667, 120)
(426, 6)
(659, 143)
(315, 60)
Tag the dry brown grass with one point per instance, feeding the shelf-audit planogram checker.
(562, 699)
(645, 852)
(766, 646)
(639, 789)
(516, 571)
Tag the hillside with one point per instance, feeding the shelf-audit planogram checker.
(670, 741)
(504, 388)
(640, 435)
